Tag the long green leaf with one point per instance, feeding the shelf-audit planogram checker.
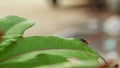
(29, 44)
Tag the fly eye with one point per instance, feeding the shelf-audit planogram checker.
(85, 41)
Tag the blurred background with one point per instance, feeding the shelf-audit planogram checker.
(95, 20)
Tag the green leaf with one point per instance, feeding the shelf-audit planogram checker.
(30, 44)
(13, 27)
(8, 22)
(39, 60)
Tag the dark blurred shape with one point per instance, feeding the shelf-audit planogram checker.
(54, 3)
(114, 6)
(100, 5)
(116, 66)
